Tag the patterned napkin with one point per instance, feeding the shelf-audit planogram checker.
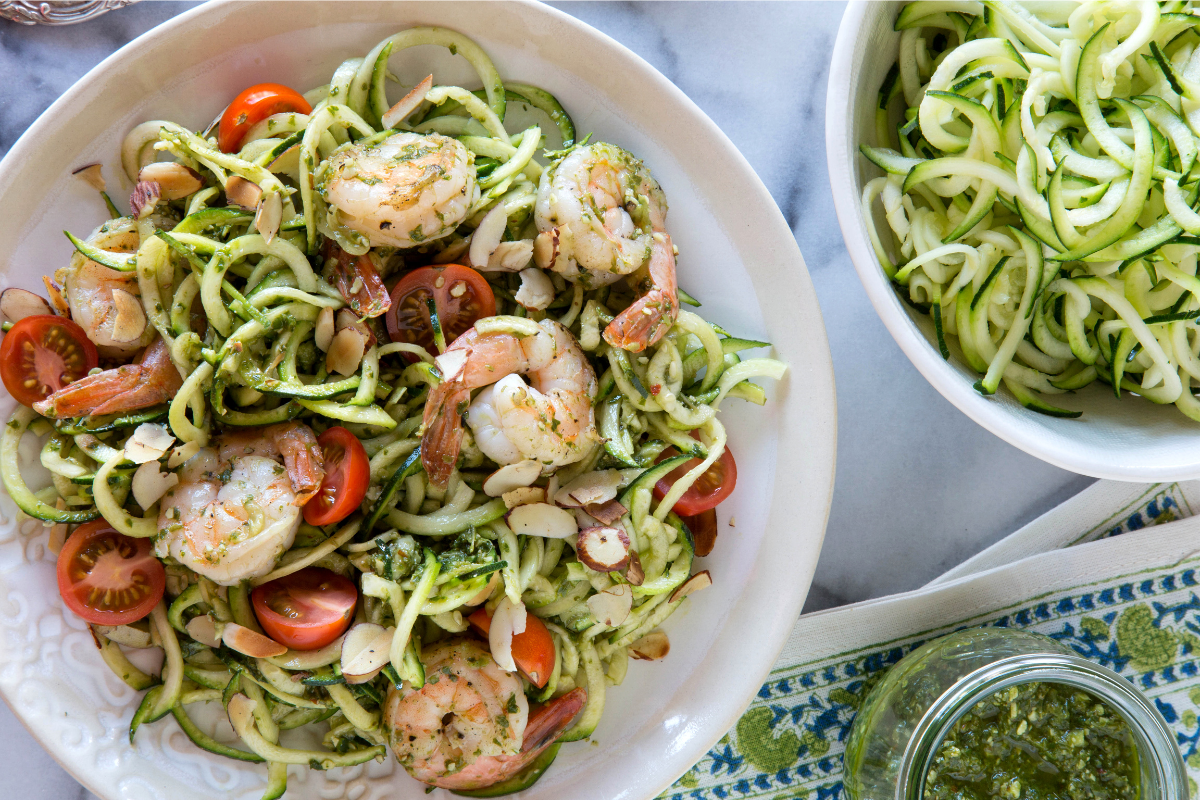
(1131, 603)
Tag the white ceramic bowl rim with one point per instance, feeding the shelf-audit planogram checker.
(712, 691)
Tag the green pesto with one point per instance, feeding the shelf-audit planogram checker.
(1036, 741)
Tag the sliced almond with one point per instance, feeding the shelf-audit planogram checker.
(590, 488)
(365, 651)
(451, 363)
(542, 519)
(408, 104)
(651, 647)
(130, 322)
(268, 216)
(346, 352)
(203, 629)
(287, 162)
(608, 513)
(537, 290)
(603, 548)
(512, 476)
(126, 635)
(17, 304)
(243, 193)
(508, 620)
(323, 333)
(487, 235)
(634, 572)
(149, 442)
(524, 496)
(486, 591)
(145, 197)
(511, 256)
(249, 643)
(701, 580)
(92, 175)
(174, 180)
(150, 483)
(612, 606)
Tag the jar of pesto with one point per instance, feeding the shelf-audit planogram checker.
(1004, 714)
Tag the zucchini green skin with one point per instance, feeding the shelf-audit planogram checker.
(519, 782)
(212, 218)
(410, 467)
(14, 484)
(206, 742)
(652, 476)
(74, 427)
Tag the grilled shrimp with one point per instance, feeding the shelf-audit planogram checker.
(549, 420)
(602, 216)
(129, 387)
(106, 303)
(470, 726)
(408, 189)
(235, 508)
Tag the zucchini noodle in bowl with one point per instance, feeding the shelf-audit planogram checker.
(382, 420)
(1030, 187)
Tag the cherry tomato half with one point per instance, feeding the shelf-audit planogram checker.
(347, 474)
(533, 650)
(307, 609)
(42, 354)
(709, 490)
(108, 578)
(253, 106)
(704, 531)
(461, 296)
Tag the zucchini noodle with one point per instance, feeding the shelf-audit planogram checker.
(1040, 196)
(250, 283)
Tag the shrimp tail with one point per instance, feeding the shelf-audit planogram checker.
(359, 282)
(442, 441)
(650, 317)
(129, 387)
(302, 457)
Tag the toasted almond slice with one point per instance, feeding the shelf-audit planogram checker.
(634, 572)
(537, 290)
(17, 304)
(511, 257)
(451, 363)
(485, 592)
(346, 351)
(268, 216)
(55, 293)
(487, 235)
(149, 442)
(249, 643)
(150, 483)
(651, 647)
(366, 650)
(508, 620)
(590, 488)
(511, 476)
(130, 321)
(203, 629)
(603, 548)
(408, 104)
(701, 580)
(92, 175)
(542, 519)
(612, 606)
(524, 496)
(288, 162)
(145, 197)
(608, 513)
(183, 452)
(324, 331)
(243, 193)
(174, 180)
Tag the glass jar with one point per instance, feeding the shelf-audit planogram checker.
(904, 719)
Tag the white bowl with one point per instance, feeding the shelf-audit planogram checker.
(737, 254)
(1131, 439)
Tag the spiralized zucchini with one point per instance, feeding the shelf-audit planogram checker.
(241, 309)
(1040, 192)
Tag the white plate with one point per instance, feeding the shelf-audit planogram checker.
(737, 255)
(1130, 439)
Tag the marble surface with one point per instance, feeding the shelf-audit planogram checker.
(919, 486)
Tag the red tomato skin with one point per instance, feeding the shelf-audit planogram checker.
(151, 569)
(345, 481)
(33, 329)
(454, 318)
(330, 618)
(696, 501)
(533, 650)
(252, 106)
